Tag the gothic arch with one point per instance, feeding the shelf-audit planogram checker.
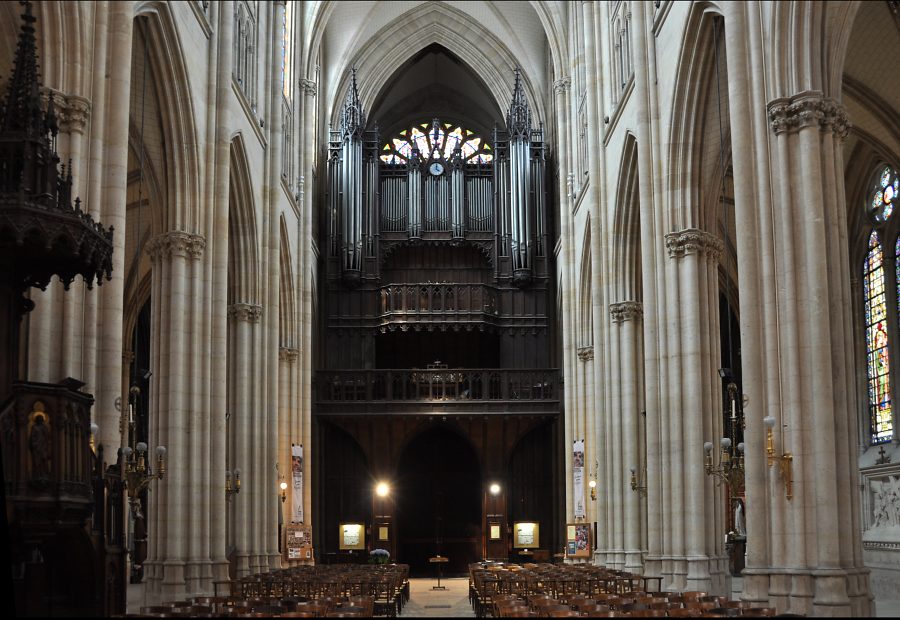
(243, 246)
(376, 62)
(693, 80)
(585, 329)
(166, 56)
(61, 41)
(626, 251)
(287, 298)
(809, 45)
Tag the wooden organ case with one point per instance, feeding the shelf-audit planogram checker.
(437, 253)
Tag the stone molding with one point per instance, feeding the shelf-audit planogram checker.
(626, 311)
(309, 87)
(176, 243)
(808, 109)
(562, 85)
(694, 240)
(586, 354)
(288, 354)
(245, 312)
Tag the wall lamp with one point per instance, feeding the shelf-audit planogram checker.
(785, 461)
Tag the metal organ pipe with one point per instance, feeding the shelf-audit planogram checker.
(457, 182)
(414, 190)
(351, 203)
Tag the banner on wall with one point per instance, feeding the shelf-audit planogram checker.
(297, 481)
(578, 477)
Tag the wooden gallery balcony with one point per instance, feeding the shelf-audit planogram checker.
(437, 390)
(405, 305)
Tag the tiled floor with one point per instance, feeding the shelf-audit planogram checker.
(450, 603)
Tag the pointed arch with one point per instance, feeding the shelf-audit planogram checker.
(626, 251)
(243, 247)
(586, 290)
(287, 299)
(492, 61)
(694, 78)
(170, 77)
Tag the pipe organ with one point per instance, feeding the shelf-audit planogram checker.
(447, 190)
(437, 183)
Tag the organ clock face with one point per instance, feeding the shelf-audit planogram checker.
(436, 168)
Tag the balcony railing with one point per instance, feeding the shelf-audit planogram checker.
(403, 302)
(481, 389)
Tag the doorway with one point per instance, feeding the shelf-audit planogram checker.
(439, 502)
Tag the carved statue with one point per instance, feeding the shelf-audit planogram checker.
(39, 445)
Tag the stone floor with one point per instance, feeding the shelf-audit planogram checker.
(450, 603)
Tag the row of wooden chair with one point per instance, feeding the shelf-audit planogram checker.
(535, 591)
(303, 592)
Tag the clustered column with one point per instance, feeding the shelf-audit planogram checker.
(180, 514)
(626, 424)
(694, 554)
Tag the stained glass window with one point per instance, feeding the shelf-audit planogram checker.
(884, 194)
(877, 353)
(437, 140)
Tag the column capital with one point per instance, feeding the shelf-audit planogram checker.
(694, 240)
(626, 311)
(288, 354)
(245, 312)
(176, 243)
(809, 108)
(586, 354)
(72, 111)
(562, 85)
(309, 87)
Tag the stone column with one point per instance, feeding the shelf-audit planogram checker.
(115, 170)
(627, 316)
(243, 321)
(696, 557)
(275, 198)
(219, 108)
(301, 422)
(813, 565)
(655, 323)
(176, 510)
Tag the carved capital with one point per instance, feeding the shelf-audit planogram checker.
(693, 240)
(72, 111)
(562, 85)
(245, 312)
(288, 354)
(309, 87)
(808, 109)
(586, 354)
(626, 311)
(176, 243)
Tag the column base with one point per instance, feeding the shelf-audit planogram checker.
(827, 592)
(634, 561)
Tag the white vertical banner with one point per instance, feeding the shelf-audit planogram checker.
(297, 481)
(578, 477)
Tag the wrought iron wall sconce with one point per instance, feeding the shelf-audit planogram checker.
(785, 461)
(135, 470)
(232, 483)
(592, 482)
(283, 486)
(730, 468)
